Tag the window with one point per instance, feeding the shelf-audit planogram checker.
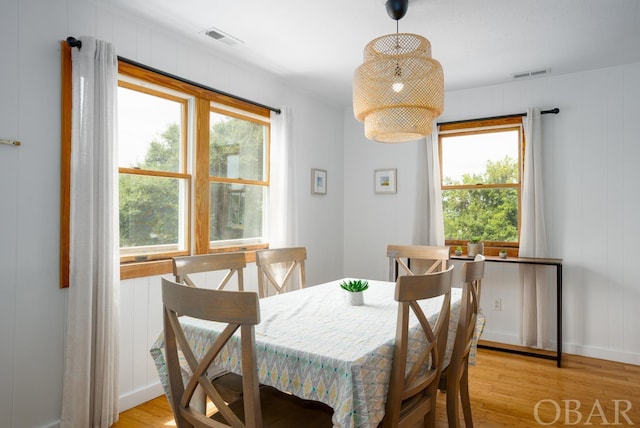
(237, 178)
(480, 166)
(154, 177)
(193, 171)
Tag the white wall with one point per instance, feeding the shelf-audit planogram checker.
(590, 176)
(32, 307)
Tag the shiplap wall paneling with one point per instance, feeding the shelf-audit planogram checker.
(9, 160)
(613, 197)
(630, 207)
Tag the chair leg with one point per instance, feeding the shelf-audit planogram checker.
(430, 418)
(452, 404)
(464, 396)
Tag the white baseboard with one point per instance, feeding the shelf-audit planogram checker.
(139, 396)
(601, 353)
(511, 339)
(508, 339)
(129, 400)
(571, 348)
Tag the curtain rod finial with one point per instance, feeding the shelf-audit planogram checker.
(74, 43)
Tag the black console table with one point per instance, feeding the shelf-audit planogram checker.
(534, 261)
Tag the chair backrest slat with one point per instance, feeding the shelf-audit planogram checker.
(472, 274)
(234, 263)
(416, 259)
(276, 267)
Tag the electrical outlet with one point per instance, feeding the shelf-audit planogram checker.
(497, 304)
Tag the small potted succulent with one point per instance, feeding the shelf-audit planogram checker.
(354, 289)
(503, 254)
(458, 251)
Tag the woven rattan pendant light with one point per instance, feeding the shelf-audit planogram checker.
(398, 91)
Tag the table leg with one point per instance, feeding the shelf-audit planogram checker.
(559, 313)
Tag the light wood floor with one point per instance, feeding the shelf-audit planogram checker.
(505, 389)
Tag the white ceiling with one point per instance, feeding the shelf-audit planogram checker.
(317, 45)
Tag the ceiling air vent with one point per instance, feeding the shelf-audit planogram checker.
(221, 36)
(535, 73)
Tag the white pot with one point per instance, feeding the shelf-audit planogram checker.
(475, 249)
(355, 298)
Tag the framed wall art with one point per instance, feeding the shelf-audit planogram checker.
(384, 180)
(318, 181)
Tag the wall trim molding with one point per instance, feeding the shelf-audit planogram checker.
(601, 353)
(619, 356)
(134, 398)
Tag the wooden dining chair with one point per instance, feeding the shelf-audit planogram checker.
(411, 398)
(233, 263)
(260, 406)
(276, 267)
(416, 259)
(455, 377)
(229, 384)
(478, 258)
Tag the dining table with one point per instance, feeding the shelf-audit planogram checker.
(313, 344)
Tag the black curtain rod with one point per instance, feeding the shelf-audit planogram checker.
(550, 111)
(75, 43)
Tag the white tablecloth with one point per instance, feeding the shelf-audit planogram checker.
(311, 343)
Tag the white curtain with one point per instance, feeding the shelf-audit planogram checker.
(282, 218)
(429, 220)
(533, 238)
(90, 391)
